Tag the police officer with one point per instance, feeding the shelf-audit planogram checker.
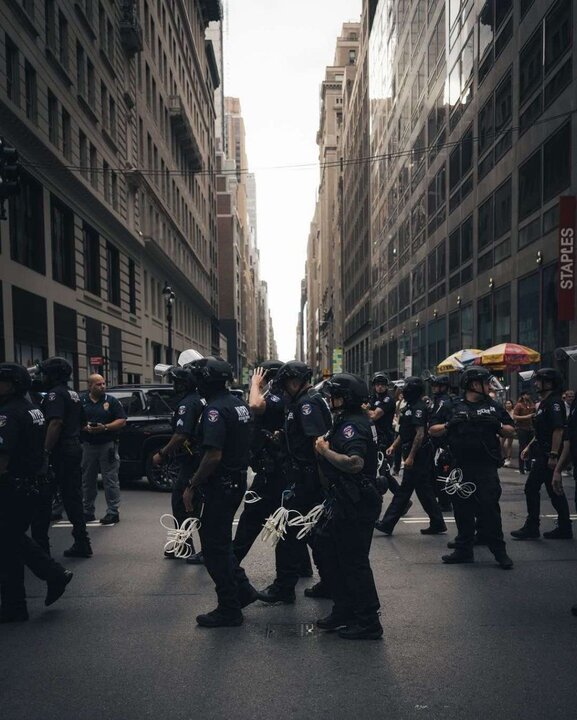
(65, 417)
(22, 475)
(381, 410)
(307, 418)
(417, 454)
(183, 445)
(267, 407)
(441, 400)
(105, 417)
(549, 422)
(348, 463)
(219, 484)
(473, 427)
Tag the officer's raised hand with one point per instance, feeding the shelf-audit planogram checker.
(259, 377)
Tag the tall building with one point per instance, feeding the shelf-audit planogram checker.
(111, 106)
(324, 271)
(472, 125)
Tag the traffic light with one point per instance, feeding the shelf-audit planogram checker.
(9, 174)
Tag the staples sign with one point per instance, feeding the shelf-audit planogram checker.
(567, 208)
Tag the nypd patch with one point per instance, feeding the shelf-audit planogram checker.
(349, 431)
(182, 409)
(3, 420)
(213, 416)
(51, 396)
(307, 409)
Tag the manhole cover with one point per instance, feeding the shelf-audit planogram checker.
(291, 630)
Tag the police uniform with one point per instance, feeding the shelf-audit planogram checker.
(60, 402)
(440, 410)
(550, 416)
(265, 460)
(384, 424)
(572, 437)
(225, 425)
(474, 444)
(22, 430)
(100, 452)
(307, 418)
(417, 478)
(355, 504)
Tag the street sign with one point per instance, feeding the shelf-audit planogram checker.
(97, 360)
(337, 360)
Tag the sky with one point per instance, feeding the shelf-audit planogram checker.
(276, 53)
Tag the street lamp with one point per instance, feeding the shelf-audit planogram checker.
(169, 300)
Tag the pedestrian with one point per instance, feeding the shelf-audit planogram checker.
(65, 417)
(397, 455)
(473, 426)
(381, 410)
(568, 398)
(218, 486)
(307, 418)
(523, 414)
(440, 385)
(549, 422)
(182, 450)
(105, 418)
(348, 463)
(416, 448)
(23, 468)
(507, 442)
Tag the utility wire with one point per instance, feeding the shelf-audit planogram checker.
(342, 162)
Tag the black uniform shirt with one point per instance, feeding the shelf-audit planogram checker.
(441, 410)
(104, 411)
(270, 421)
(475, 441)
(226, 424)
(550, 416)
(572, 430)
(384, 424)
(22, 429)
(412, 416)
(64, 404)
(307, 418)
(187, 414)
(353, 434)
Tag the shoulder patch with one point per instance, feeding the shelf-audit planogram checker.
(213, 416)
(3, 420)
(51, 397)
(307, 409)
(349, 431)
(182, 409)
(275, 398)
(74, 396)
(556, 407)
(418, 413)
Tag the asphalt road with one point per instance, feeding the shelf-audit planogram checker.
(461, 642)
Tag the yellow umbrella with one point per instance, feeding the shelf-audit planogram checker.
(508, 355)
(458, 360)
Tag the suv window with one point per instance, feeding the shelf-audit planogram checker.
(131, 401)
(161, 402)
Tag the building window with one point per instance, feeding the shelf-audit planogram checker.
(53, 118)
(531, 65)
(502, 315)
(66, 135)
(27, 225)
(93, 167)
(66, 336)
(503, 209)
(132, 286)
(113, 270)
(31, 92)
(106, 180)
(114, 189)
(63, 250)
(30, 324)
(485, 322)
(50, 23)
(91, 260)
(91, 83)
(83, 150)
(12, 71)
(115, 355)
(63, 41)
(80, 70)
(558, 32)
(94, 344)
(528, 313)
(530, 185)
(485, 227)
(557, 163)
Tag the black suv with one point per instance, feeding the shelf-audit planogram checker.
(148, 411)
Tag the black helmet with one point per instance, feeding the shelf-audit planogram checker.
(293, 370)
(440, 380)
(414, 389)
(55, 369)
(272, 367)
(381, 378)
(182, 378)
(351, 388)
(552, 376)
(474, 374)
(17, 375)
(211, 374)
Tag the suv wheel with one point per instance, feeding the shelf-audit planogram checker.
(161, 477)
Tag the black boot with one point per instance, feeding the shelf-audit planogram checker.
(318, 591)
(527, 532)
(503, 560)
(362, 632)
(274, 594)
(247, 594)
(217, 618)
(334, 622)
(434, 529)
(79, 550)
(55, 588)
(559, 534)
(458, 557)
(381, 527)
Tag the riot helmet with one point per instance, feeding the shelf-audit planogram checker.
(439, 382)
(549, 376)
(293, 370)
(380, 378)
(475, 374)
(17, 375)
(414, 389)
(53, 371)
(211, 374)
(352, 389)
(182, 379)
(272, 367)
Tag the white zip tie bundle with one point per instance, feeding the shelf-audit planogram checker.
(381, 460)
(177, 537)
(274, 528)
(251, 497)
(454, 486)
(307, 521)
